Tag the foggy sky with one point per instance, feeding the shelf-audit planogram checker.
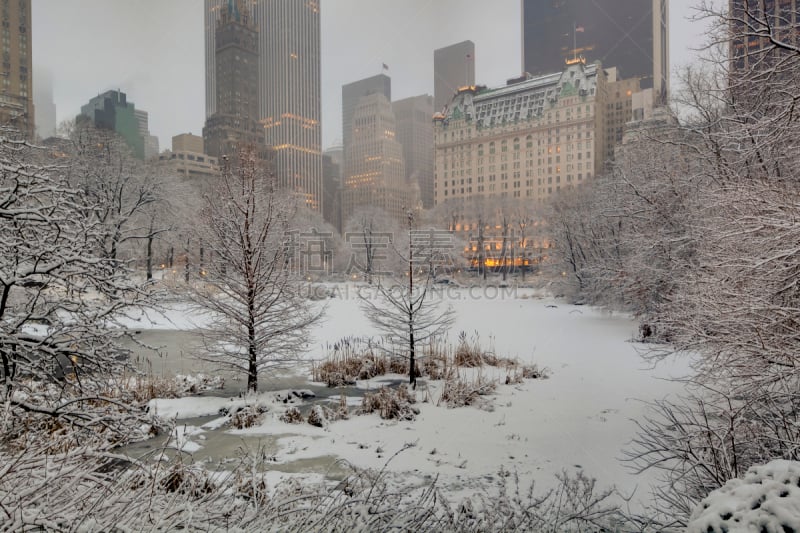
(153, 50)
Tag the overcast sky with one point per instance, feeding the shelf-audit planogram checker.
(153, 50)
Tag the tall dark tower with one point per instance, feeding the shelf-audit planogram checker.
(750, 51)
(236, 115)
(290, 101)
(631, 35)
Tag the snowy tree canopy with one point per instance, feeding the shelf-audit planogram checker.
(766, 500)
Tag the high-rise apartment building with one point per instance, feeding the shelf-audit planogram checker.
(631, 35)
(453, 67)
(374, 173)
(527, 140)
(331, 189)
(332, 172)
(112, 110)
(414, 128)
(352, 94)
(235, 117)
(289, 87)
(619, 107)
(44, 104)
(150, 141)
(747, 17)
(16, 96)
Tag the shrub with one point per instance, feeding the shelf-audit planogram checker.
(459, 392)
(248, 416)
(292, 416)
(390, 403)
(317, 416)
(520, 374)
(353, 358)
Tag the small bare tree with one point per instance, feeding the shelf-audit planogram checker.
(370, 234)
(262, 315)
(405, 311)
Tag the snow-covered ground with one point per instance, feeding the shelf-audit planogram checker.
(582, 416)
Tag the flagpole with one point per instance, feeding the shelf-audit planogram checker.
(574, 41)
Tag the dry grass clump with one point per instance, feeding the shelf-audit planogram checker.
(316, 417)
(521, 373)
(145, 387)
(461, 391)
(353, 358)
(534, 372)
(390, 403)
(436, 368)
(248, 416)
(292, 416)
(470, 353)
(341, 412)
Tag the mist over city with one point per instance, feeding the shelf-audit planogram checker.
(350, 265)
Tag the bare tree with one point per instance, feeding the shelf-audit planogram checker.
(526, 222)
(262, 315)
(316, 244)
(370, 234)
(126, 188)
(59, 294)
(405, 311)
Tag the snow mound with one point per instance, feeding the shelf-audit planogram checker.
(767, 500)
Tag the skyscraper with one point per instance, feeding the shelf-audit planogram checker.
(414, 127)
(352, 94)
(45, 105)
(453, 67)
(211, 15)
(289, 88)
(631, 35)
(112, 110)
(291, 93)
(746, 52)
(374, 171)
(331, 188)
(235, 116)
(150, 141)
(16, 102)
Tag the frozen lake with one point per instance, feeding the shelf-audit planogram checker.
(581, 417)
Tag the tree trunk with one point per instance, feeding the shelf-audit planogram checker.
(481, 251)
(150, 250)
(149, 257)
(186, 272)
(252, 369)
(252, 352)
(412, 371)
